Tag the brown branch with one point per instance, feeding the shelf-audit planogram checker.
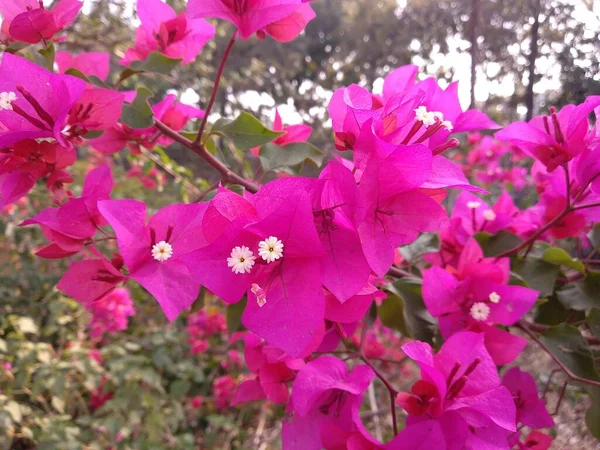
(213, 95)
(227, 175)
(523, 325)
(540, 328)
(399, 273)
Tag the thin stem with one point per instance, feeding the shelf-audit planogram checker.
(148, 154)
(213, 95)
(393, 392)
(587, 205)
(379, 375)
(584, 188)
(394, 420)
(568, 184)
(206, 192)
(560, 398)
(399, 273)
(226, 174)
(523, 326)
(536, 235)
(540, 328)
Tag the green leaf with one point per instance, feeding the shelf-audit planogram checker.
(594, 322)
(246, 131)
(157, 63)
(405, 311)
(78, 74)
(49, 54)
(179, 388)
(566, 343)
(234, 315)
(594, 236)
(592, 416)
(391, 313)
(494, 244)
(292, 155)
(425, 243)
(372, 314)
(583, 294)
(560, 257)
(538, 274)
(138, 114)
(551, 312)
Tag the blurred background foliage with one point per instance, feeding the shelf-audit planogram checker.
(360, 41)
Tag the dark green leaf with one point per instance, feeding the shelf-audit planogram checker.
(494, 244)
(155, 62)
(276, 157)
(234, 315)
(560, 257)
(595, 236)
(538, 274)
(93, 134)
(566, 343)
(246, 131)
(551, 312)
(78, 74)
(372, 314)
(179, 389)
(391, 313)
(406, 312)
(592, 416)
(593, 320)
(138, 114)
(583, 294)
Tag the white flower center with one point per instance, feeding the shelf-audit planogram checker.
(271, 249)
(162, 251)
(427, 117)
(473, 205)
(489, 153)
(447, 125)
(261, 295)
(241, 260)
(488, 214)
(495, 297)
(480, 311)
(6, 99)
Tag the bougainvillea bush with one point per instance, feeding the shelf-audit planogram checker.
(419, 261)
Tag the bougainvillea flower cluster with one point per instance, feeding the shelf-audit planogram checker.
(314, 267)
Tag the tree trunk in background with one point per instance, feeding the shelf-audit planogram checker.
(533, 54)
(473, 38)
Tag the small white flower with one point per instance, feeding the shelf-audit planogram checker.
(428, 118)
(480, 311)
(261, 295)
(162, 251)
(473, 205)
(271, 249)
(241, 260)
(495, 297)
(6, 99)
(488, 214)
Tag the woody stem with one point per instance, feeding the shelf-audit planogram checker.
(215, 89)
(523, 325)
(227, 175)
